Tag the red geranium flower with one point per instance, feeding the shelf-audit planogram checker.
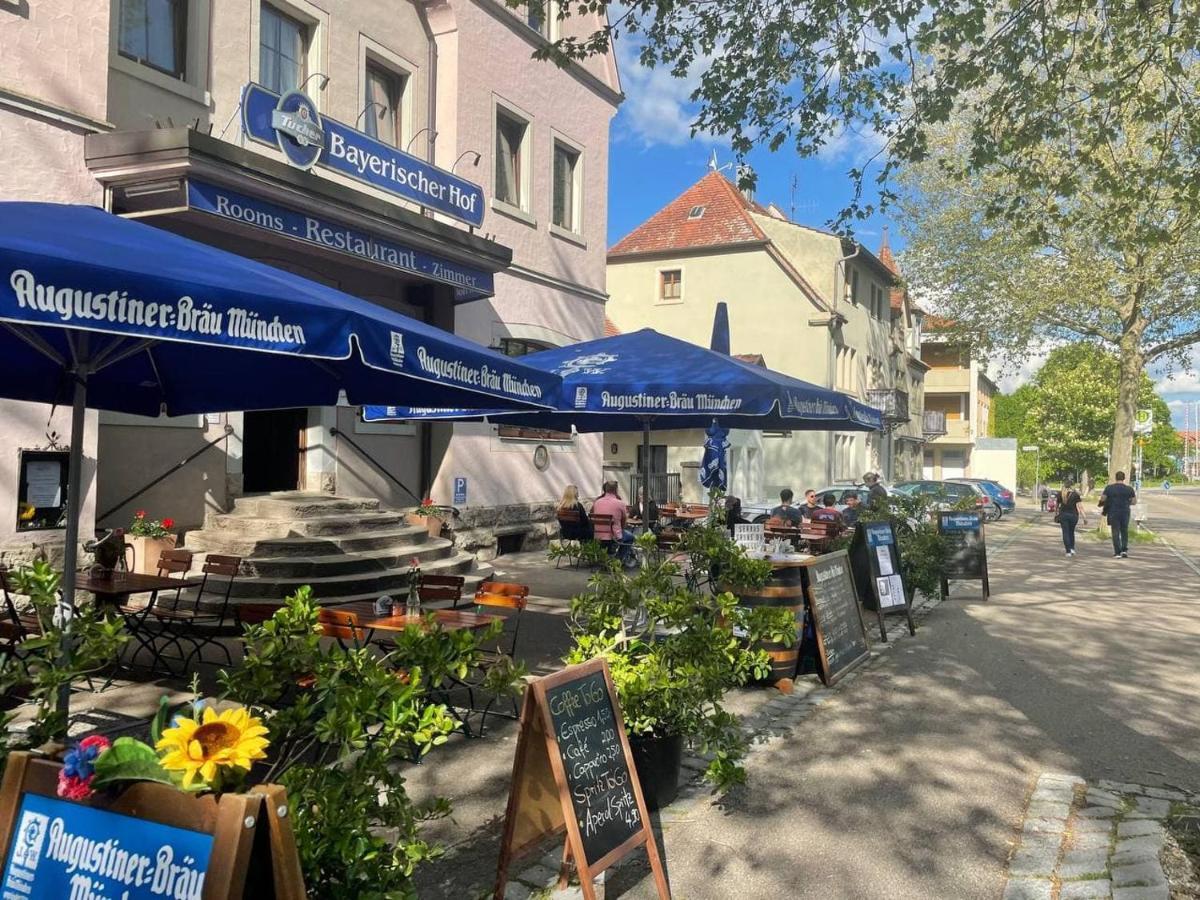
(140, 514)
(168, 523)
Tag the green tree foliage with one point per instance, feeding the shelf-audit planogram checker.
(1068, 411)
(1111, 256)
(801, 73)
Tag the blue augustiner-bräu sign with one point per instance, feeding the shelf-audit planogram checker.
(966, 521)
(271, 120)
(879, 534)
(469, 283)
(63, 850)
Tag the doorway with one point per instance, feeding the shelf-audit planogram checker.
(273, 450)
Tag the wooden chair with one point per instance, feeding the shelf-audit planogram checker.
(819, 535)
(441, 588)
(341, 625)
(14, 627)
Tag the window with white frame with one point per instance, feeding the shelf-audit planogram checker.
(384, 106)
(542, 16)
(512, 134)
(282, 50)
(566, 213)
(843, 457)
(846, 371)
(154, 33)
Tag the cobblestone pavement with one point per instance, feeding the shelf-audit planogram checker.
(1082, 841)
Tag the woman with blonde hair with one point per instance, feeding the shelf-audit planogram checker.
(573, 521)
(1068, 513)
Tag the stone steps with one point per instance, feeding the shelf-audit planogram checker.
(345, 548)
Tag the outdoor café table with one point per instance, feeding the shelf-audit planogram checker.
(112, 591)
(687, 518)
(784, 532)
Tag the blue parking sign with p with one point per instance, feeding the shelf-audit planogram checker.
(460, 491)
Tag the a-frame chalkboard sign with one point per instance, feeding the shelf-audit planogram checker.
(875, 557)
(966, 550)
(836, 619)
(574, 771)
(145, 842)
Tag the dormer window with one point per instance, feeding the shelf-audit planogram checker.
(696, 212)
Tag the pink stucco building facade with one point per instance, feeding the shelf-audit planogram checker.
(107, 104)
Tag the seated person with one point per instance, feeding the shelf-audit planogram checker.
(570, 529)
(733, 512)
(647, 511)
(610, 504)
(853, 506)
(828, 513)
(787, 513)
(810, 505)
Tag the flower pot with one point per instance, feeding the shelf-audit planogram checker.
(147, 550)
(433, 524)
(657, 762)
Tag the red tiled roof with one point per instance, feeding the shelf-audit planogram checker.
(755, 359)
(885, 256)
(610, 327)
(938, 323)
(726, 220)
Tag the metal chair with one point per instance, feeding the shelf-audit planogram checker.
(493, 596)
(570, 521)
(148, 624)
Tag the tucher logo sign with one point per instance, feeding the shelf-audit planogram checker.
(292, 123)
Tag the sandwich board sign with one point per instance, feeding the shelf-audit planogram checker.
(875, 555)
(966, 549)
(574, 773)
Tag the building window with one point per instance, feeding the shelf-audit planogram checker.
(510, 158)
(384, 104)
(843, 457)
(282, 51)
(154, 33)
(542, 16)
(846, 365)
(854, 286)
(670, 284)
(510, 346)
(566, 187)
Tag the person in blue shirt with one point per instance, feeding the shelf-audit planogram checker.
(1116, 502)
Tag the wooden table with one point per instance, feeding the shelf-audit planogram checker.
(447, 619)
(115, 588)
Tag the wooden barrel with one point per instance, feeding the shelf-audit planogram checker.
(784, 589)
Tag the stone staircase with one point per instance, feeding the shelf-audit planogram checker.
(346, 548)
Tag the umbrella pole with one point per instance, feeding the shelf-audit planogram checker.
(645, 469)
(71, 537)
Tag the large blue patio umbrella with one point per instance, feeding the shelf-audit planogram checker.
(645, 380)
(108, 313)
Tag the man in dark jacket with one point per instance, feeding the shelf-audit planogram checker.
(1115, 502)
(877, 495)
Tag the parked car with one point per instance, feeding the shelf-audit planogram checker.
(1005, 499)
(948, 494)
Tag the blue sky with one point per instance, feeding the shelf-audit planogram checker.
(654, 158)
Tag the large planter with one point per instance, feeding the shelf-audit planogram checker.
(657, 761)
(785, 588)
(147, 550)
(432, 524)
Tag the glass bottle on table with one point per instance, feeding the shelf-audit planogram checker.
(412, 606)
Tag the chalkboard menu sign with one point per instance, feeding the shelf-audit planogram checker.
(593, 759)
(837, 621)
(875, 559)
(146, 842)
(966, 549)
(574, 771)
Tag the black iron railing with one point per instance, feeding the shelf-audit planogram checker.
(933, 423)
(665, 487)
(891, 402)
(337, 433)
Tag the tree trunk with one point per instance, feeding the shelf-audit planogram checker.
(1132, 363)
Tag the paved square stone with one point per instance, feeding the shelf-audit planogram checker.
(1079, 863)
(1150, 808)
(1152, 842)
(538, 876)
(1028, 889)
(1158, 892)
(1042, 810)
(1164, 793)
(1086, 826)
(1146, 873)
(1132, 858)
(1034, 860)
(570, 893)
(1097, 812)
(1138, 828)
(1101, 797)
(1096, 889)
(1053, 795)
(1091, 840)
(515, 891)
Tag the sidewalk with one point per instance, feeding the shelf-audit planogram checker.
(913, 781)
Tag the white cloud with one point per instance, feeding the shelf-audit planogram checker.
(657, 110)
(1183, 379)
(856, 145)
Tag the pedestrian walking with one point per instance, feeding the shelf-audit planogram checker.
(1115, 502)
(1068, 514)
(1045, 494)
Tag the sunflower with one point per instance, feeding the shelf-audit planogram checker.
(232, 739)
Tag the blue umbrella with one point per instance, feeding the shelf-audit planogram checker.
(644, 380)
(714, 471)
(109, 313)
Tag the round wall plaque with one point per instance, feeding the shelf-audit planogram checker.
(541, 458)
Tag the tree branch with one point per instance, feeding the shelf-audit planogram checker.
(1176, 343)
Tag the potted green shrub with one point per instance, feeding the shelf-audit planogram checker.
(429, 515)
(149, 538)
(674, 652)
